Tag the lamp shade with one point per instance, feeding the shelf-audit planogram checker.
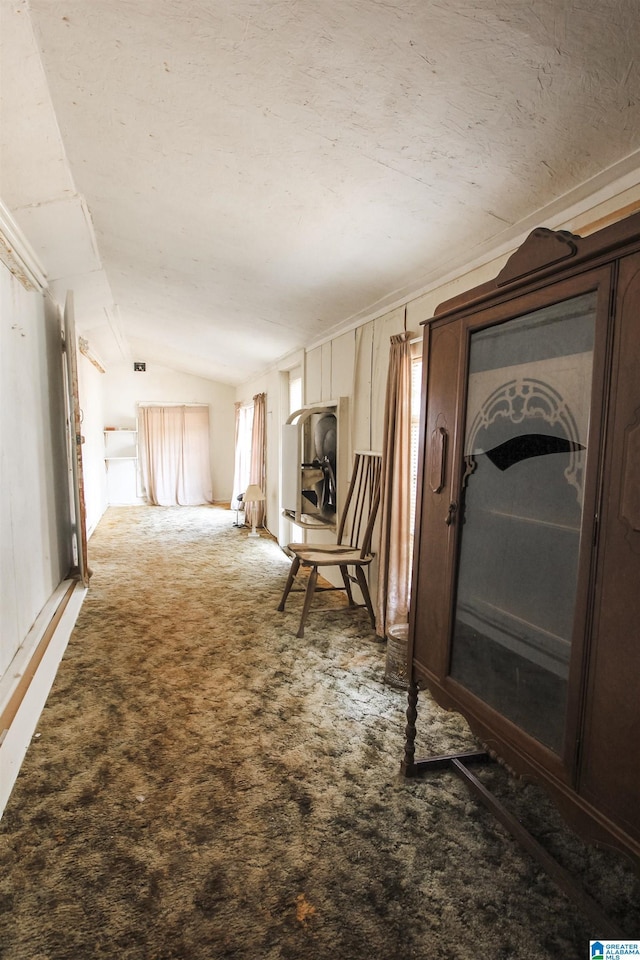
(253, 494)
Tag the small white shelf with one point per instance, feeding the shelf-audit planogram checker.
(121, 465)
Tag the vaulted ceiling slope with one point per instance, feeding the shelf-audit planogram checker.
(225, 181)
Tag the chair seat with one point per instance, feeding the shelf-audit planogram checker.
(301, 549)
(323, 558)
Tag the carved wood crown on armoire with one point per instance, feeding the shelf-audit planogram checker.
(526, 587)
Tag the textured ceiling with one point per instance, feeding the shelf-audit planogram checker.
(253, 174)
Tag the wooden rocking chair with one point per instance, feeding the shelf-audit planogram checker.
(353, 546)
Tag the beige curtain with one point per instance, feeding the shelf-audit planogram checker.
(394, 562)
(175, 466)
(256, 511)
(236, 486)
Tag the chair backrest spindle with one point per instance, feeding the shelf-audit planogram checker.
(361, 505)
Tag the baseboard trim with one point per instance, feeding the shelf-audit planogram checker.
(32, 674)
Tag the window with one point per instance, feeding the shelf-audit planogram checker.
(295, 390)
(242, 470)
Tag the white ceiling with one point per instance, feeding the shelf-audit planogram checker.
(225, 181)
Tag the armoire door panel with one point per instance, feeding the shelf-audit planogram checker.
(610, 769)
(433, 581)
(630, 504)
(525, 453)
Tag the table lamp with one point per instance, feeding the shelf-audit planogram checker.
(253, 494)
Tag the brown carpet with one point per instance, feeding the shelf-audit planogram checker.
(204, 785)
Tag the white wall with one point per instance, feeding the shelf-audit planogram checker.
(34, 506)
(124, 389)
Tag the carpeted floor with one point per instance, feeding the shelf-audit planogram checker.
(204, 785)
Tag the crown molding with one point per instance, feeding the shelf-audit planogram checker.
(18, 255)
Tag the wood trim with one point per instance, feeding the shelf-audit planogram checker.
(18, 255)
(15, 700)
(610, 218)
(619, 239)
(543, 248)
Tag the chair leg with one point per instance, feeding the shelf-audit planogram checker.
(344, 570)
(293, 569)
(308, 597)
(362, 581)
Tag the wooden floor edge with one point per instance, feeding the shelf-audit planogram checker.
(15, 700)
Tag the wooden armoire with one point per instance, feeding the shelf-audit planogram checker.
(525, 611)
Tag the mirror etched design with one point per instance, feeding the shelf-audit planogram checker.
(527, 420)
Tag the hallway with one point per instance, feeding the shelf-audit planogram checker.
(204, 785)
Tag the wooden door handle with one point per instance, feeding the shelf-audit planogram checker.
(438, 458)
